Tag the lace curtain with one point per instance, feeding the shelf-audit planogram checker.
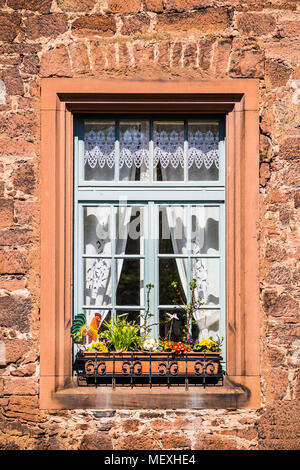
(205, 271)
(168, 148)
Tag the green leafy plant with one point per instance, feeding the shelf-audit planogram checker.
(123, 335)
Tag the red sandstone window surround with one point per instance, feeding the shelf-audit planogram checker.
(238, 100)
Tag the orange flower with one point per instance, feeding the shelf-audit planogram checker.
(180, 347)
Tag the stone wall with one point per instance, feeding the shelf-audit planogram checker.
(167, 39)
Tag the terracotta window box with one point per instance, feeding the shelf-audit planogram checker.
(156, 368)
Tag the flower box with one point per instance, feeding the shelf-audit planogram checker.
(156, 367)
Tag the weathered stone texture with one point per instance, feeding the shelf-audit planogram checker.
(210, 20)
(159, 39)
(96, 25)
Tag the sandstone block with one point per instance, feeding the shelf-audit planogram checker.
(15, 237)
(182, 5)
(274, 252)
(258, 24)
(31, 65)
(135, 24)
(156, 6)
(175, 442)
(289, 28)
(279, 275)
(124, 55)
(247, 63)
(209, 20)
(99, 61)
(23, 177)
(264, 173)
(290, 149)
(280, 305)
(12, 283)
(283, 50)
(15, 349)
(20, 386)
(75, 5)
(14, 125)
(130, 425)
(15, 312)
(205, 51)
(24, 211)
(297, 199)
(276, 73)
(46, 25)
(56, 62)
(9, 27)
(221, 56)
(216, 442)
(13, 82)
(6, 212)
(96, 441)
(79, 58)
(121, 6)
(136, 442)
(94, 25)
(12, 262)
(190, 55)
(163, 57)
(42, 6)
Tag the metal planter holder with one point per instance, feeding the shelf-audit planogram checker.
(148, 369)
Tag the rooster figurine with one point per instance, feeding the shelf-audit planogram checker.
(92, 331)
(78, 330)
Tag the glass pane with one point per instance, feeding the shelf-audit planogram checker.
(130, 230)
(168, 158)
(171, 270)
(134, 151)
(174, 331)
(131, 316)
(205, 229)
(206, 272)
(203, 155)
(97, 222)
(172, 229)
(208, 324)
(97, 281)
(130, 290)
(99, 150)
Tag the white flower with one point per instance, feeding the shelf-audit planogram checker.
(150, 344)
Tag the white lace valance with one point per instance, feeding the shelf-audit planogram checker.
(168, 148)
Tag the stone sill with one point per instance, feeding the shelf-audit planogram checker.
(229, 396)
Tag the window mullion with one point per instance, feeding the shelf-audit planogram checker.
(189, 251)
(151, 152)
(113, 252)
(152, 263)
(185, 151)
(117, 152)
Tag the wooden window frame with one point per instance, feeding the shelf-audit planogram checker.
(239, 101)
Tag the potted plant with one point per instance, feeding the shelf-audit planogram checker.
(121, 348)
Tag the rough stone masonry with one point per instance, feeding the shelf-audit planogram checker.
(168, 39)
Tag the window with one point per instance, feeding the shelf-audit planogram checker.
(149, 209)
(158, 192)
